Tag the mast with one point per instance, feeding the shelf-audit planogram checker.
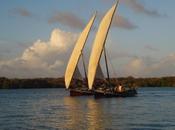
(99, 73)
(107, 69)
(84, 67)
(106, 61)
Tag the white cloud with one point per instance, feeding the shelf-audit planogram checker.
(148, 67)
(49, 59)
(42, 59)
(134, 68)
(165, 66)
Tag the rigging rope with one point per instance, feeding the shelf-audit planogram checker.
(112, 66)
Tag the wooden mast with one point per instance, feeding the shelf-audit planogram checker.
(84, 67)
(107, 69)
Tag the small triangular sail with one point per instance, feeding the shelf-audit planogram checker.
(73, 61)
(99, 73)
(77, 74)
(99, 43)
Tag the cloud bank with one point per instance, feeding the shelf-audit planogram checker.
(149, 67)
(49, 59)
(42, 59)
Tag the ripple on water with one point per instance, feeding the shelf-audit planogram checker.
(53, 109)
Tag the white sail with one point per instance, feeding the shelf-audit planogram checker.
(99, 43)
(73, 61)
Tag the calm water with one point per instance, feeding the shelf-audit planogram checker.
(53, 109)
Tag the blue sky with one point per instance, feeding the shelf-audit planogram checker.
(143, 41)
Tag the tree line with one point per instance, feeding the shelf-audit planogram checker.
(6, 83)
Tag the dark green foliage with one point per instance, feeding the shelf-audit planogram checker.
(6, 83)
(147, 82)
(31, 83)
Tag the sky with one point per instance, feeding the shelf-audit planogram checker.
(37, 37)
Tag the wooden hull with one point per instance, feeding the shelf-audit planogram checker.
(74, 92)
(126, 93)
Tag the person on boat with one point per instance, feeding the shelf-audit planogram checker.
(119, 88)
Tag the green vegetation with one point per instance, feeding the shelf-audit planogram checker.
(149, 82)
(6, 83)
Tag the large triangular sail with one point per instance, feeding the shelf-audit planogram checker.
(99, 43)
(73, 61)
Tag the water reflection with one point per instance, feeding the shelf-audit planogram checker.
(73, 113)
(96, 115)
(85, 114)
(52, 109)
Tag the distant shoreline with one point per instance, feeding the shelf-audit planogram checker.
(6, 83)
